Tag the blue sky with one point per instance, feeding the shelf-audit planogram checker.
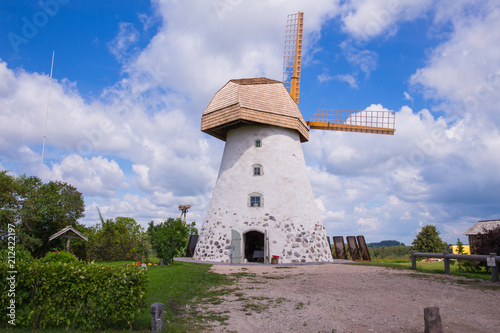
(132, 78)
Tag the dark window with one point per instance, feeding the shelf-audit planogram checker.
(255, 200)
(258, 143)
(257, 170)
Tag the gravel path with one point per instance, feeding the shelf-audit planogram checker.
(350, 298)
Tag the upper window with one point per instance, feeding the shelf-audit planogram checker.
(258, 143)
(255, 200)
(257, 170)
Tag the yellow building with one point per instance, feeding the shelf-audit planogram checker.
(454, 249)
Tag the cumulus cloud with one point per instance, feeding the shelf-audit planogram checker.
(461, 73)
(365, 19)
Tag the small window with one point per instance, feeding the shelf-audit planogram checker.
(255, 200)
(257, 170)
(258, 143)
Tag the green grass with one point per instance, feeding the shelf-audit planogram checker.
(176, 286)
(427, 267)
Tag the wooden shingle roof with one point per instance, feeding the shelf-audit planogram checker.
(482, 227)
(246, 102)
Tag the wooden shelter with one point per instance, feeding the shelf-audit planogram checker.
(68, 233)
(480, 228)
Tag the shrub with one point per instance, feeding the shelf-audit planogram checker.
(73, 295)
(57, 256)
(21, 254)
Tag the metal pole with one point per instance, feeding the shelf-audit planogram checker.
(413, 260)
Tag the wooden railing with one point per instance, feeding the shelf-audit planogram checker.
(492, 259)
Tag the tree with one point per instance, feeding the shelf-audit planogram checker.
(113, 240)
(460, 250)
(8, 205)
(170, 238)
(38, 210)
(428, 241)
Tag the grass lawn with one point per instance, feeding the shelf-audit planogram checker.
(436, 267)
(175, 286)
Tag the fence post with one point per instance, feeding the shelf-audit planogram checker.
(446, 263)
(413, 260)
(494, 269)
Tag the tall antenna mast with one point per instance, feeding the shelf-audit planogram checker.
(46, 116)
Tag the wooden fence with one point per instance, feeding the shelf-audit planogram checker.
(492, 260)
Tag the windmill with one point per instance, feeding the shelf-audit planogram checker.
(262, 206)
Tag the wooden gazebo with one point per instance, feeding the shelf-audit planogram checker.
(68, 233)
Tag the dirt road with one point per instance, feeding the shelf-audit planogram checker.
(350, 298)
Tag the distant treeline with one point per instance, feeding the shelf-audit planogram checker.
(385, 243)
(391, 252)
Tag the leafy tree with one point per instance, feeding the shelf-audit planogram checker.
(8, 204)
(113, 240)
(428, 241)
(460, 250)
(170, 238)
(38, 210)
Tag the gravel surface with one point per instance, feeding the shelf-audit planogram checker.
(350, 298)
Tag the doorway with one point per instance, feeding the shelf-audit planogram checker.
(254, 246)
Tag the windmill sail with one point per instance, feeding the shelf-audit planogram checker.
(293, 54)
(366, 121)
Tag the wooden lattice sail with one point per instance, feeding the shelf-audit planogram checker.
(366, 121)
(293, 54)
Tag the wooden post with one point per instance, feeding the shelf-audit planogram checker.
(446, 263)
(413, 260)
(494, 269)
(432, 320)
(67, 243)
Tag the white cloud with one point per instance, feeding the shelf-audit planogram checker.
(459, 70)
(96, 176)
(365, 19)
(126, 37)
(365, 59)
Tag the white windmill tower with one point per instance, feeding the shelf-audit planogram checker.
(263, 205)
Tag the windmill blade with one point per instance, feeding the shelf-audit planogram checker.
(366, 121)
(293, 54)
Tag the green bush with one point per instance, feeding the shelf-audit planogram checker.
(22, 255)
(57, 256)
(73, 295)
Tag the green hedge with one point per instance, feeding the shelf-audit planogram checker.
(73, 295)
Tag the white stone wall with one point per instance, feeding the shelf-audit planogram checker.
(289, 213)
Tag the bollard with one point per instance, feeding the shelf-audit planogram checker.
(432, 320)
(156, 317)
(413, 260)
